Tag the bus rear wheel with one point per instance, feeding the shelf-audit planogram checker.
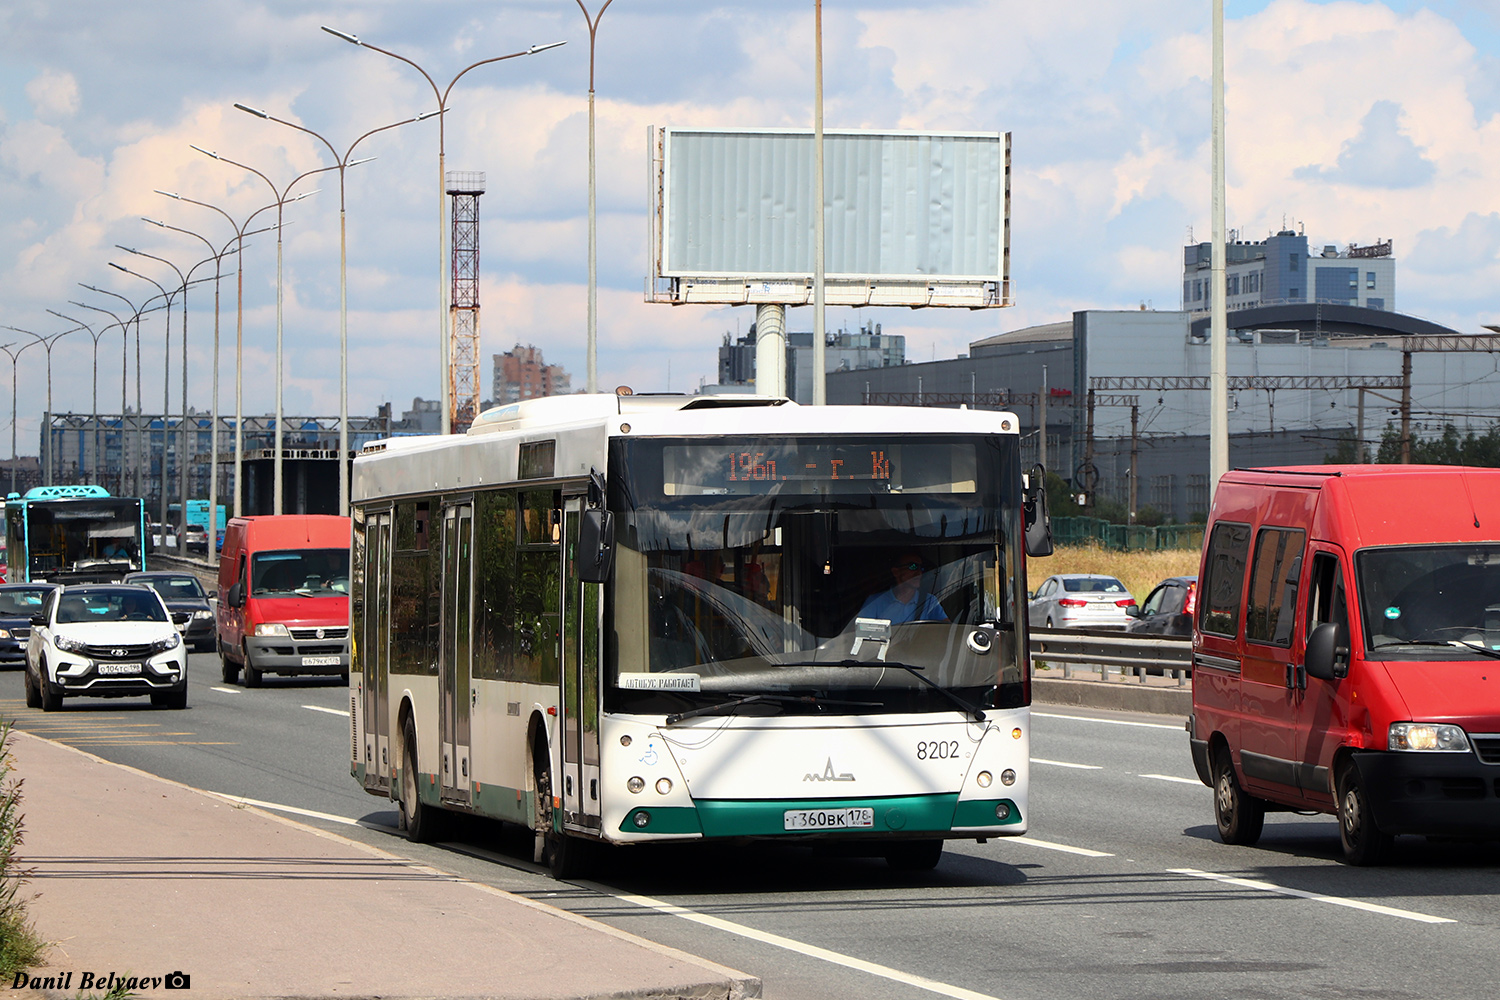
(914, 855)
(418, 820)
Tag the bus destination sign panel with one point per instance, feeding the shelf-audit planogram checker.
(811, 466)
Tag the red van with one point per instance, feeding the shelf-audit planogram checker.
(1345, 652)
(284, 596)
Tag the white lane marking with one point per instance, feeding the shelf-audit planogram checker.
(225, 690)
(1049, 845)
(1109, 722)
(811, 951)
(277, 807)
(330, 711)
(1063, 763)
(1317, 897)
(1173, 777)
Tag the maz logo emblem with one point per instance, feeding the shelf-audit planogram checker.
(828, 774)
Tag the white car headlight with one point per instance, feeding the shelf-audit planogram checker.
(271, 628)
(162, 645)
(67, 645)
(1428, 736)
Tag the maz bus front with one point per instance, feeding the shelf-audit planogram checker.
(808, 624)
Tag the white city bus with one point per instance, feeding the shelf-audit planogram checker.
(624, 619)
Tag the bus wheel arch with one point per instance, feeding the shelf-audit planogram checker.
(417, 819)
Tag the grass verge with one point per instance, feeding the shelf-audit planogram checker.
(20, 948)
(1138, 571)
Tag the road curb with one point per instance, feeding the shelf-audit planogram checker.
(1122, 696)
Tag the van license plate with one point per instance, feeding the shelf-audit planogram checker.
(320, 661)
(858, 818)
(115, 669)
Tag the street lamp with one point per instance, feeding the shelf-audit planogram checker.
(281, 202)
(102, 331)
(593, 353)
(47, 342)
(136, 314)
(13, 355)
(239, 335)
(443, 262)
(182, 431)
(166, 382)
(213, 462)
(344, 163)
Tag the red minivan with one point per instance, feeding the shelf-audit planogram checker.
(1346, 652)
(284, 596)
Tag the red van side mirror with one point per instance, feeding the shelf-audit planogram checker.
(1327, 656)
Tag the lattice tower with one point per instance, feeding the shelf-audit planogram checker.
(464, 187)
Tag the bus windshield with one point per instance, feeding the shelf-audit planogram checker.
(840, 575)
(300, 573)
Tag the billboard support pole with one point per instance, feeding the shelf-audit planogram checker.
(770, 349)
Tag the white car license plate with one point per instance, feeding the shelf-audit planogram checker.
(115, 669)
(855, 818)
(320, 661)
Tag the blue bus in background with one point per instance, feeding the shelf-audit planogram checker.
(73, 534)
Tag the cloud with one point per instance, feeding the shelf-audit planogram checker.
(53, 95)
(1380, 156)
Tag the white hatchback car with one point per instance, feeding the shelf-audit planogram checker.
(1080, 600)
(105, 641)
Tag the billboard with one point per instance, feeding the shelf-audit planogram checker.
(913, 219)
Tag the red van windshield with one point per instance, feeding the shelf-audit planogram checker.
(300, 573)
(1415, 595)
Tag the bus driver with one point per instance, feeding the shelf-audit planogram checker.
(905, 601)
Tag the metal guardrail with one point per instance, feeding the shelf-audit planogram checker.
(1102, 650)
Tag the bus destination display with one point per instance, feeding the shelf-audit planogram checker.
(764, 466)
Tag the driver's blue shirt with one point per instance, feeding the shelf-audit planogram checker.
(922, 607)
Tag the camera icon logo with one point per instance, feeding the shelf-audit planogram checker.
(177, 981)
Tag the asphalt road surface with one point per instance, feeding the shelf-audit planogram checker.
(1121, 889)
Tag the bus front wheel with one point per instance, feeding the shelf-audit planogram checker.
(418, 820)
(564, 856)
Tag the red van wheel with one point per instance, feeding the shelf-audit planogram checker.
(1240, 816)
(1362, 840)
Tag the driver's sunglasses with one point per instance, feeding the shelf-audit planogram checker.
(910, 565)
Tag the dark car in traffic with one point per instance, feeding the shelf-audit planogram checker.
(18, 602)
(183, 592)
(1168, 609)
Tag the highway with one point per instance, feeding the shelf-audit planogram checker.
(1121, 889)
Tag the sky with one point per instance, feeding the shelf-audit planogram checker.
(1353, 120)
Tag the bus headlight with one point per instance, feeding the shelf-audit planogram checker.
(641, 818)
(1427, 736)
(663, 786)
(636, 784)
(984, 778)
(1002, 810)
(1007, 777)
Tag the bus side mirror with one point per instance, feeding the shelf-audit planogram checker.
(1327, 656)
(1037, 525)
(595, 555)
(236, 596)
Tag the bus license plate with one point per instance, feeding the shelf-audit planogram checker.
(115, 669)
(320, 661)
(857, 818)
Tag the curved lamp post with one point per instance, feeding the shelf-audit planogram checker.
(166, 382)
(47, 342)
(14, 357)
(443, 263)
(136, 314)
(213, 462)
(94, 472)
(282, 200)
(344, 163)
(593, 343)
(240, 232)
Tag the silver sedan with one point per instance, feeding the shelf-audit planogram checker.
(1080, 600)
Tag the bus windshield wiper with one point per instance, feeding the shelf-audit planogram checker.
(751, 699)
(915, 671)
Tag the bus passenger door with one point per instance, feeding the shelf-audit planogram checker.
(456, 662)
(375, 653)
(580, 684)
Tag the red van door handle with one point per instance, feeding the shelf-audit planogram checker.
(1296, 677)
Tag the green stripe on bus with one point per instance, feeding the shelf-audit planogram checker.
(981, 812)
